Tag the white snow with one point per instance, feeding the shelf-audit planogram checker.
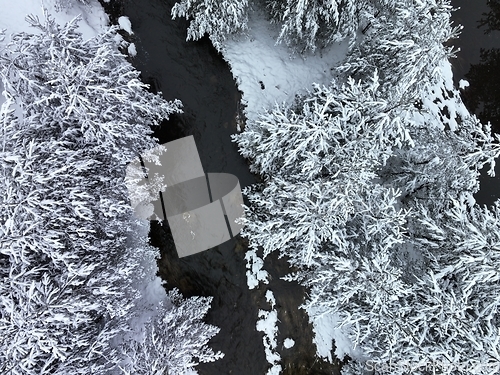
(267, 73)
(275, 370)
(268, 325)
(327, 330)
(132, 51)
(125, 24)
(151, 289)
(255, 273)
(437, 98)
(270, 298)
(94, 19)
(463, 84)
(288, 343)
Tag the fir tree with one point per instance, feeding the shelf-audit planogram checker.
(308, 24)
(75, 115)
(215, 18)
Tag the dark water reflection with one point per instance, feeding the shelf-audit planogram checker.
(479, 62)
(197, 75)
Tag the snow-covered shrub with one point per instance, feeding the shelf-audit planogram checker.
(213, 17)
(75, 115)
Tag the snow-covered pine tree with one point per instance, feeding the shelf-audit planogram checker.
(308, 24)
(213, 17)
(75, 115)
(460, 290)
(319, 160)
(405, 43)
(173, 343)
(322, 204)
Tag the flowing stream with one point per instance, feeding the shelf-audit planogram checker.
(196, 73)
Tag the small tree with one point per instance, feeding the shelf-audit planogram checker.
(306, 25)
(215, 18)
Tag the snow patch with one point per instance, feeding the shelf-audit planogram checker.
(268, 324)
(267, 73)
(270, 298)
(443, 97)
(327, 331)
(288, 343)
(12, 18)
(132, 51)
(255, 273)
(125, 24)
(463, 84)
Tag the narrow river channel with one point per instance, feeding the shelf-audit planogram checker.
(483, 92)
(196, 74)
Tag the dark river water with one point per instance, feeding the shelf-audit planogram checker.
(483, 73)
(197, 75)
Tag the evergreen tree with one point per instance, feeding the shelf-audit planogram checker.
(405, 43)
(215, 18)
(363, 187)
(308, 24)
(75, 115)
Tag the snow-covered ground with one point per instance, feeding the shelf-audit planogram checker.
(327, 331)
(268, 73)
(13, 13)
(255, 273)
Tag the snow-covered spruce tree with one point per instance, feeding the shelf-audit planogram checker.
(172, 341)
(309, 24)
(405, 43)
(319, 160)
(322, 204)
(306, 25)
(457, 318)
(75, 115)
(213, 17)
